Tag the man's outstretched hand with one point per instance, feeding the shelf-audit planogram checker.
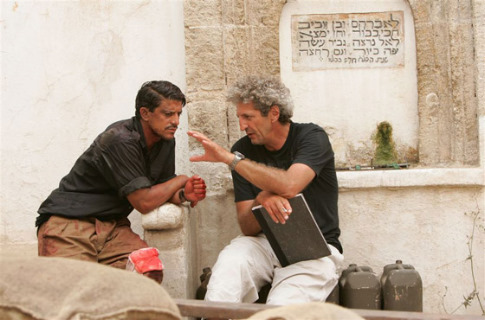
(213, 151)
(195, 189)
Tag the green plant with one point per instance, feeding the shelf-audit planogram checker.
(385, 152)
(474, 294)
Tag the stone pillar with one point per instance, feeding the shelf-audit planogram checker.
(447, 63)
(224, 40)
(168, 229)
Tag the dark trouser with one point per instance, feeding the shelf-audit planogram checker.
(106, 242)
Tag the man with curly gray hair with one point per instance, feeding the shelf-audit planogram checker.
(276, 160)
(264, 93)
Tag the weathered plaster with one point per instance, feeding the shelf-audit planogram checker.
(69, 69)
(59, 91)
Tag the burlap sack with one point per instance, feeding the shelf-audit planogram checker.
(307, 311)
(59, 288)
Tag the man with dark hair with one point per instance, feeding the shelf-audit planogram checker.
(131, 165)
(276, 160)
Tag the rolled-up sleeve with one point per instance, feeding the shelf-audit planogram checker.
(135, 184)
(122, 164)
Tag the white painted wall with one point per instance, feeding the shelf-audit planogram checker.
(69, 69)
(424, 218)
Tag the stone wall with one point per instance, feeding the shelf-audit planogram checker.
(227, 39)
(224, 40)
(447, 87)
(385, 215)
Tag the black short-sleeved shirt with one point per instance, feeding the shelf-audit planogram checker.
(308, 144)
(116, 164)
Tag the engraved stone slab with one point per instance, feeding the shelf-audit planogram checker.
(351, 65)
(347, 40)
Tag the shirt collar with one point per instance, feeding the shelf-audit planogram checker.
(139, 128)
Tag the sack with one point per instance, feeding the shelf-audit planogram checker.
(61, 289)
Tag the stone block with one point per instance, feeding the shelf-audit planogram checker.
(264, 12)
(216, 175)
(264, 44)
(465, 124)
(205, 63)
(202, 13)
(217, 219)
(210, 118)
(176, 274)
(199, 94)
(236, 53)
(233, 12)
(167, 216)
(167, 239)
(168, 230)
(233, 129)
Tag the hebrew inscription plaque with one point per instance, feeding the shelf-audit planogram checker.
(353, 40)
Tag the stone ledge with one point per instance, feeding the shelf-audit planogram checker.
(167, 216)
(465, 177)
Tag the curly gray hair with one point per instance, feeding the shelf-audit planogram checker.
(264, 92)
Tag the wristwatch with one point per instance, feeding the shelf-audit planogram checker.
(182, 196)
(237, 157)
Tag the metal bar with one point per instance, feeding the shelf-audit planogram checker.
(226, 310)
(221, 310)
(406, 315)
(375, 167)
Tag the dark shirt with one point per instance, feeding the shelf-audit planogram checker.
(116, 164)
(307, 144)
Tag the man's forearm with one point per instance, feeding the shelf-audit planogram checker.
(274, 180)
(245, 217)
(147, 199)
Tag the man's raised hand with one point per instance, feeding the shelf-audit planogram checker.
(213, 151)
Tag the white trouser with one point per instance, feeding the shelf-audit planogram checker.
(248, 263)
